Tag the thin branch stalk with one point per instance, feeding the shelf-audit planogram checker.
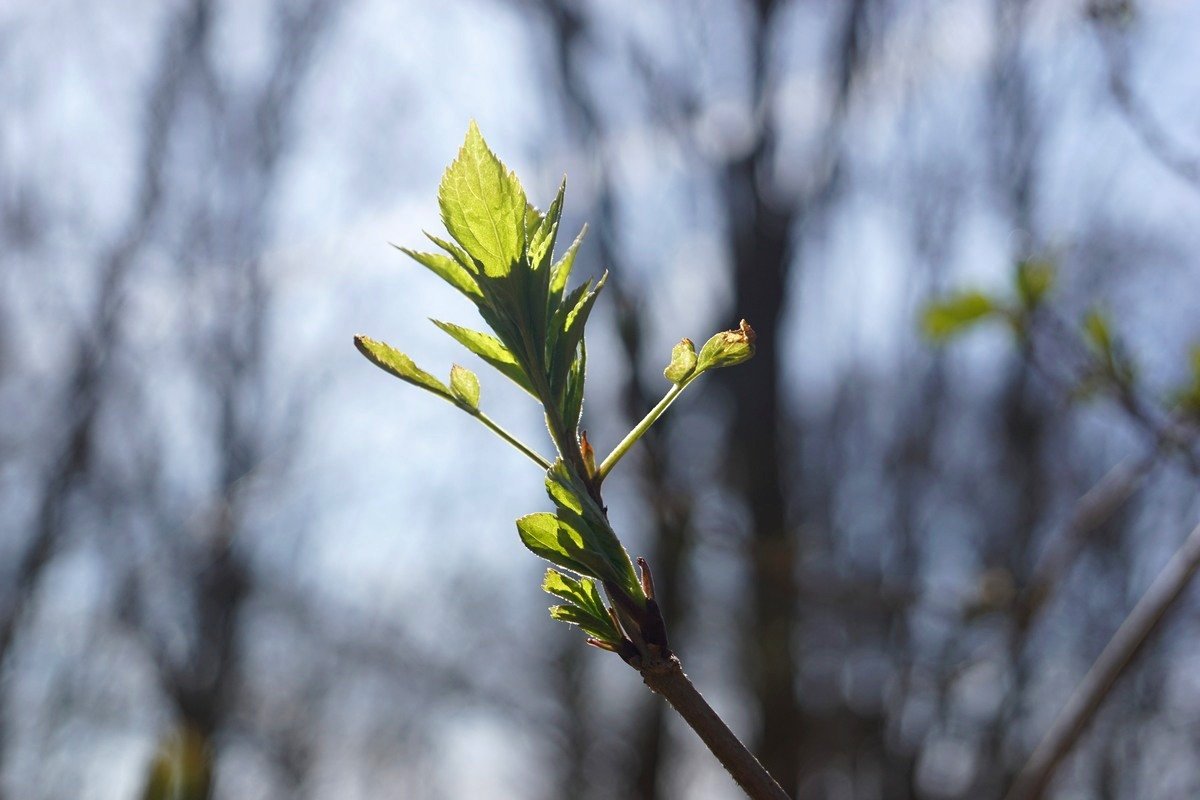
(639, 430)
(666, 677)
(1125, 644)
(508, 437)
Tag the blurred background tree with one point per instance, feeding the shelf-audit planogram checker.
(223, 545)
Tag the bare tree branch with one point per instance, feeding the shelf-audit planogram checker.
(1096, 685)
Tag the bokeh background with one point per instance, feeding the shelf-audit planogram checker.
(233, 552)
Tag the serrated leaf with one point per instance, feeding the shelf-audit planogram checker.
(560, 273)
(392, 361)
(465, 385)
(578, 511)
(683, 362)
(560, 544)
(558, 320)
(572, 406)
(571, 337)
(448, 270)
(953, 315)
(562, 489)
(533, 221)
(597, 627)
(483, 206)
(462, 257)
(491, 350)
(541, 242)
(581, 592)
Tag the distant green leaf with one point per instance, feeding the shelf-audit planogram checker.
(726, 349)
(465, 385)
(1035, 279)
(491, 350)
(391, 360)
(1098, 332)
(483, 206)
(953, 315)
(1187, 397)
(448, 270)
(683, 362)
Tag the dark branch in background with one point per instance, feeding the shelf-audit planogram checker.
(96, 347)
(229, 353)
(1120, 651)
(1110, 17)
(1092, 510)
(1168, 438)
(761, 442)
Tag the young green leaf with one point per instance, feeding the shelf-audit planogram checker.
(727, 349)
(578, 511)
(541, 243)
(391, 360)
(465, 386)
(572, 405)
(600, 628)
(572, 334)
(460, 256)
(561, 544)
(683, 362)
(953, 315)
(483, 206)
(561, 271)
(581, 592)
(448, 269)
(491, 350)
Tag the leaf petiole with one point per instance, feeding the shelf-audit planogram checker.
(506, 436)
(640, 429)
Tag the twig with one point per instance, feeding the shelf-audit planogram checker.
(666, 677)
(1091, 511)
(1125, 644)
(639, 430)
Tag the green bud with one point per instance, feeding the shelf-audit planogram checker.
(465, 385)
(727, 348)
(1035, 279)
(683, 362)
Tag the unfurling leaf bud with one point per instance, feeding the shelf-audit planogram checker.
(727, 348)
(588, 453)
(683, 362)
(465, 386)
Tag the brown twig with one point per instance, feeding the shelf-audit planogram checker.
(1125, 644)
(666, 677)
